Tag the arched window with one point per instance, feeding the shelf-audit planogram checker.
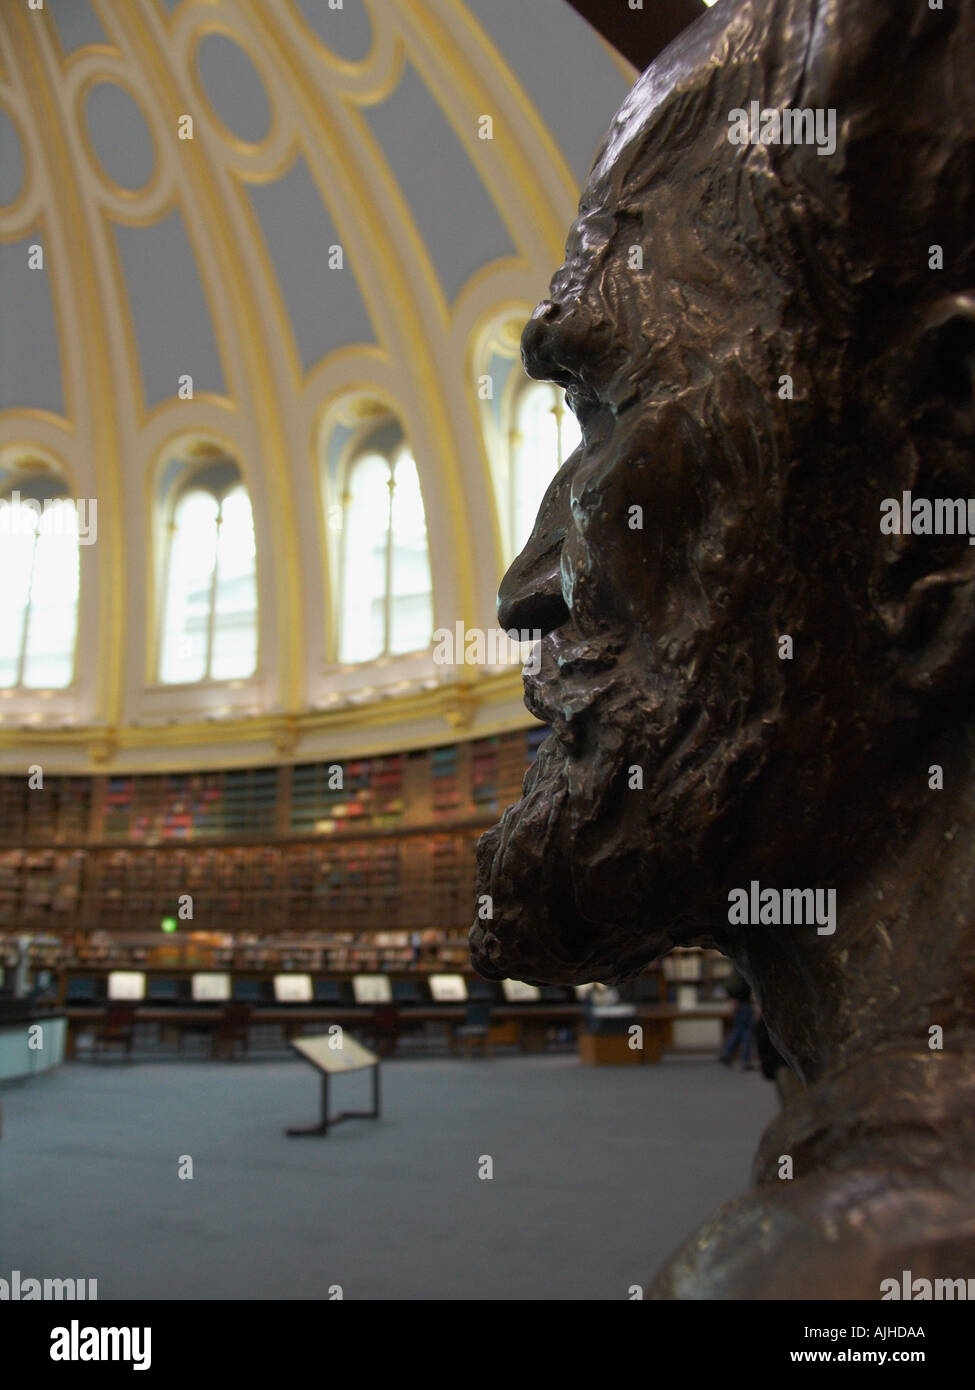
(39, 570)
(386, 594)
(209, 627)
(544, 434)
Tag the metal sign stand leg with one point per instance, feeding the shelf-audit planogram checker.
(325, 1123)
(322, 1127)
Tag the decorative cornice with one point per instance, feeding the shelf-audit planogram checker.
(383, 724)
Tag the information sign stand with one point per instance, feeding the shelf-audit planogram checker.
(329, 1055)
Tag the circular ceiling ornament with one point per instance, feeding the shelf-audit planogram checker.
(127, 163)
(233, 88)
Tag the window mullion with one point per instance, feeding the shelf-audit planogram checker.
(162, 603)
(343, 571)
(25, 628)
(388, 601)
(211, 616)
(515, 462)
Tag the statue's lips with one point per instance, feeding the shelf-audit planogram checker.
(561, 710)
(539, 701)
(575, 672)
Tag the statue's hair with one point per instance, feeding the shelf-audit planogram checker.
(832, 250)
(901, 78)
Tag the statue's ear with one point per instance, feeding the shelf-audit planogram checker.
(927, 581)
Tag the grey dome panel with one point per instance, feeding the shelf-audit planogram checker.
(30, 363)
(169, 310)
(451, 207)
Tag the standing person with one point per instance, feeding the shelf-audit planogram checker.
(740, 990)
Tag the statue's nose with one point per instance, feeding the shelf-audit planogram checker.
(538, 341)
(530, 598)
(558, 340)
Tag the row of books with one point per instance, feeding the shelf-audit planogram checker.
(417, 878)
(330, 797)
(184, 806)
(37, 809)
(439, 785)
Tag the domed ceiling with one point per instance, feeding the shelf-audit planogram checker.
(259, 222)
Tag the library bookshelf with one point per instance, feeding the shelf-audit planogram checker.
(365, 865)
(333, 869)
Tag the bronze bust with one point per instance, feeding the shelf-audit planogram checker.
(765, 323)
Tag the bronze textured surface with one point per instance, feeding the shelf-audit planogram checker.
(763, 341)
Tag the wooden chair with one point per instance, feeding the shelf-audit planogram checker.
(383, 1029)
(118, 1026)
(232, 1027)
(475, 1031)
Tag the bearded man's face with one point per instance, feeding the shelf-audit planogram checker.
(662, 572)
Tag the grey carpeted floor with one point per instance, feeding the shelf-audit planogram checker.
(598, 1174)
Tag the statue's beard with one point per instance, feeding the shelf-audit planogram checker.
(588, 876)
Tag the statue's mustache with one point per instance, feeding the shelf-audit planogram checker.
(573, 675)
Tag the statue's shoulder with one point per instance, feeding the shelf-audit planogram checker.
(835, 1235)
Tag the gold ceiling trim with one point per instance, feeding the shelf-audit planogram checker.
(17, 217)
(219, 232)
(93, 402)
(339, 143)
